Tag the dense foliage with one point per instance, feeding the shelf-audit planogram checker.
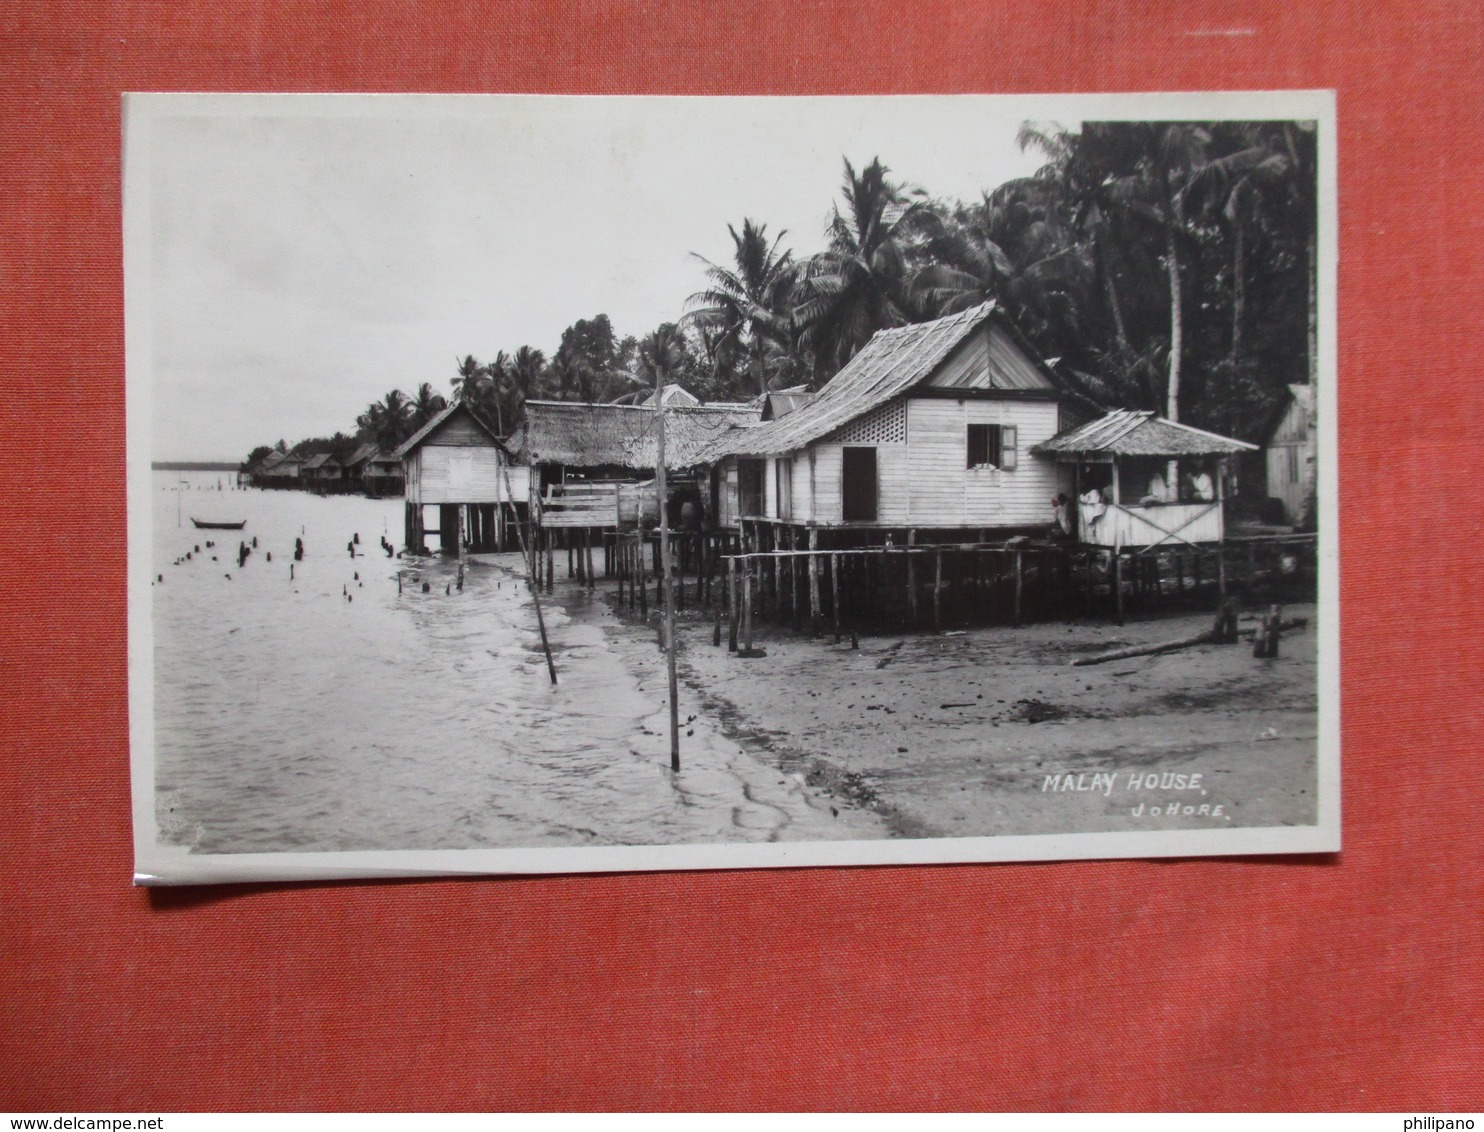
(1163, 265)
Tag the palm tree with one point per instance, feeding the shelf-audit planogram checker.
(426, 404)
(1079, 173)
(1013, 250)
(468, 377)
(525, 373)
(744, 312)
(1230, 190)
(857, 286)
(386, 421)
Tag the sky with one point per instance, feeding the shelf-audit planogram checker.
(290, 259)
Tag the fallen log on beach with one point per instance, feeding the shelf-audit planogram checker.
(1207, 637)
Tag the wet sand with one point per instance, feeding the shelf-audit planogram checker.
(992, 731)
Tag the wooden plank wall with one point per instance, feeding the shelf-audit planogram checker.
(459, 474)
(944, 491)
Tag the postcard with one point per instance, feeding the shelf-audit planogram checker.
(535, 484)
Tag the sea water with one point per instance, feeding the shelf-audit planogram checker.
(312, 705)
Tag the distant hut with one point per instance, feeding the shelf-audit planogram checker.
(457, 464)
(1291, 450)
(323, 474)
(925, 430)
(1143, 481)
(372, 470)
(280, 470)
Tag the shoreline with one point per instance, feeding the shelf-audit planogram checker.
(991, 731)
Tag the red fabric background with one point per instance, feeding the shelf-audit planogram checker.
(1345, 982)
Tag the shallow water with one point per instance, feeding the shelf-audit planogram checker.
(331, 712)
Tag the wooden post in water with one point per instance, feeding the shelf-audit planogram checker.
(528, 553)
(668, 583)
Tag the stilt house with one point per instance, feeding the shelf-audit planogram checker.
(323, 474)
(927, 429)
(1142, 481)
(583, 449)
(280, 470)
(1292, 448)
(456, 464)
(374, 471)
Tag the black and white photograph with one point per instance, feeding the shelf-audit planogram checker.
(537, 484)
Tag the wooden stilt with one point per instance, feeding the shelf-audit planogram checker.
(747, 605)
(793, 577)
(733, 613)
(813, 582)
(912, 576)
(835, 593)
(1019, 568)
(937, 590)
(1118, 584)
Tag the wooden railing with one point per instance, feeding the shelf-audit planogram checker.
(1148, 525)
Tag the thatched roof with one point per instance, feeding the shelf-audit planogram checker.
(319, 460)
(584, 435)
(1133, 432)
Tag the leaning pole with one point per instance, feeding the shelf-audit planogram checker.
(669, 592)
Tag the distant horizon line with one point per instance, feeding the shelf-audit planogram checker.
(194, 465)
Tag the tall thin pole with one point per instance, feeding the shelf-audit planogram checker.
(530, 557)
(659, 483)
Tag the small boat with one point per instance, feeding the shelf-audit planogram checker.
(202, 525)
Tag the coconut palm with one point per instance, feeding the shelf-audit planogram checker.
(387, 421)
(1011, 249)
(858, 285)
(524, 375)
(426, 404)
(744, 312)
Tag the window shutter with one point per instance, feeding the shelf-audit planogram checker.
(1007, 447)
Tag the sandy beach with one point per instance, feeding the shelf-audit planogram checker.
(993, 731)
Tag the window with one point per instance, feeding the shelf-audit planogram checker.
(784, 481)
(991, 446)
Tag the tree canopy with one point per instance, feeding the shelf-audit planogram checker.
(1165, 265)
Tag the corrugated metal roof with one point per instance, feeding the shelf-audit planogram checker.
(785, 401)
(585, 435)
(891, 362)
(1133, 432)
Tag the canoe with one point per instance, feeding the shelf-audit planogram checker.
(202, 525)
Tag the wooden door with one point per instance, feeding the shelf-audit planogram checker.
(858, 490)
